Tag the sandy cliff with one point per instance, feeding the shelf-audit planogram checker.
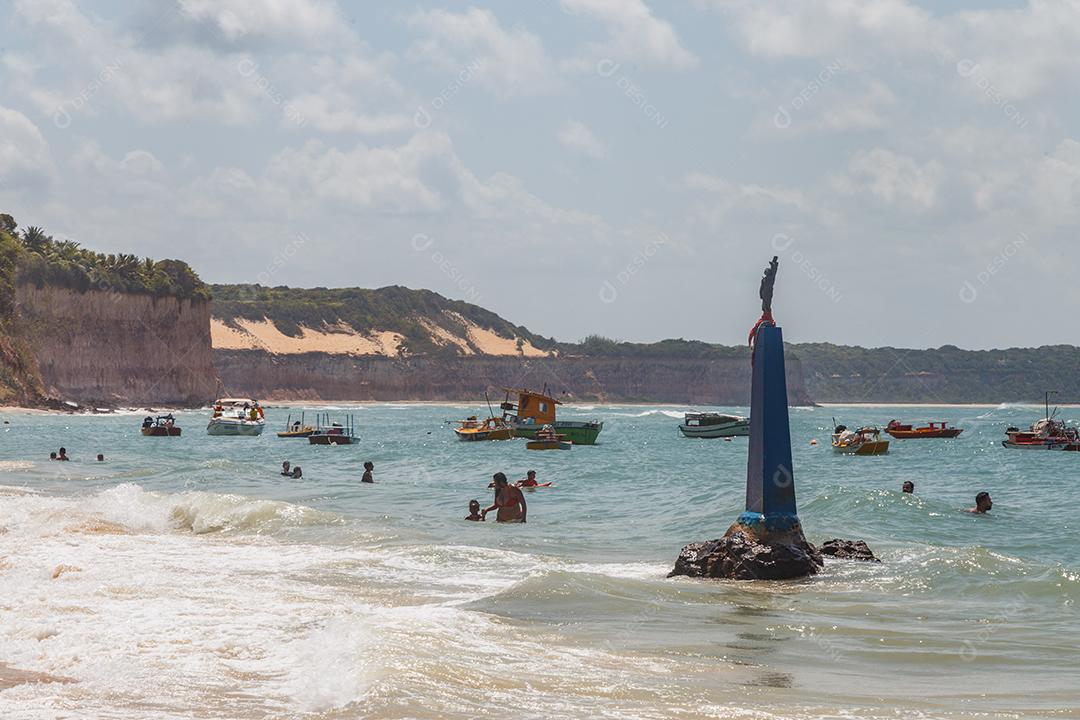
(118, 348)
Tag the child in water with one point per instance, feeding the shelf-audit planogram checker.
(474, 511)
(368, 468)
(286, 470)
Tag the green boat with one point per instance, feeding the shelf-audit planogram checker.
(579, 433)
(534, 410)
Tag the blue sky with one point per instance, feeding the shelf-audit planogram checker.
(915, 166)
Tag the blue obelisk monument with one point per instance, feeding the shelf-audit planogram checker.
(766, 541)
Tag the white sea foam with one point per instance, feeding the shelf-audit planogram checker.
(244, 625)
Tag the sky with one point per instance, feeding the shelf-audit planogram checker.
(618, 167)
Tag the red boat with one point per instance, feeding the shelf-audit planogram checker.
(931, 430)
(1046, 434)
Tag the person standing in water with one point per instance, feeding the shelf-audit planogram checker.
(63, 454)
(369, 467)
(286, 469)
(509, 501)
(983, 503)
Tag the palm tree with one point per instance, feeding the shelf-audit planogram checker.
(34, 238)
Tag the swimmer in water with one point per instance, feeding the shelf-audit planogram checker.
(100, 457)
(63, 454)
(909, 487)
(368, 477)
(286, 471)
(983, 503)
(297, 473)
(52, 455)
(529, 481)
(509, 501)
(474, 511)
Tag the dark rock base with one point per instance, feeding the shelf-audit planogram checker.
(849, 550)
(742, 555)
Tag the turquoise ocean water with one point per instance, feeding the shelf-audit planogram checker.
(191, 580)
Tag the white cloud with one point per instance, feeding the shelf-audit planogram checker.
(895, 180)
(508, 60)
(1023, 51)
(25, 161)
(727, 199)
(291, 21)
(578, 137)
(634, 34)
(1055, 187)
(332, 111)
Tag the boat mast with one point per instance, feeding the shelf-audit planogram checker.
(1047, 395)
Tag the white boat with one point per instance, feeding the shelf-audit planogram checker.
(236, 417)
(714, 425)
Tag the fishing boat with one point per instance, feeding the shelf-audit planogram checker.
(236, 417)
(547, 439)
(335, 433)
(297, 428)
(492, 428)
(161, 426)
(864, 441)
(1049, 433)
(534, 410)
(714, 425)
(931, 430)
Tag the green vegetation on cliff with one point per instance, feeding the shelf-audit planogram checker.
(840, 373)
(41, 261)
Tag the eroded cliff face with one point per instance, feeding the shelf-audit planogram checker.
(118, 348)
(324, 376)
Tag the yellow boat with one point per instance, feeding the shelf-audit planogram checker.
(547, 439)
(493, 428)
(296, 428)
(864, 441)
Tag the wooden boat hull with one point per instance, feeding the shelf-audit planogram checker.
(735, 429)
(161, 432)
(578, 433)
(324, 439)
(470, 435)
(917, 434)
(297, 433)
(874, 447)
(549, 445)
(1063, 445)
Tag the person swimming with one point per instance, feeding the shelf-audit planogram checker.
(474, 512)
(368, 477)
(52, 455)
(983, 504)
(509, 501)
(909, 487)
(529, 481)
(100, 457)
(297, 473)
(285, 469)
(63, 454)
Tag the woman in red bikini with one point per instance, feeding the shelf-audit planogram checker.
(509, 501)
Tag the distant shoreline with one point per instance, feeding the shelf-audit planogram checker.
(270, 404)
